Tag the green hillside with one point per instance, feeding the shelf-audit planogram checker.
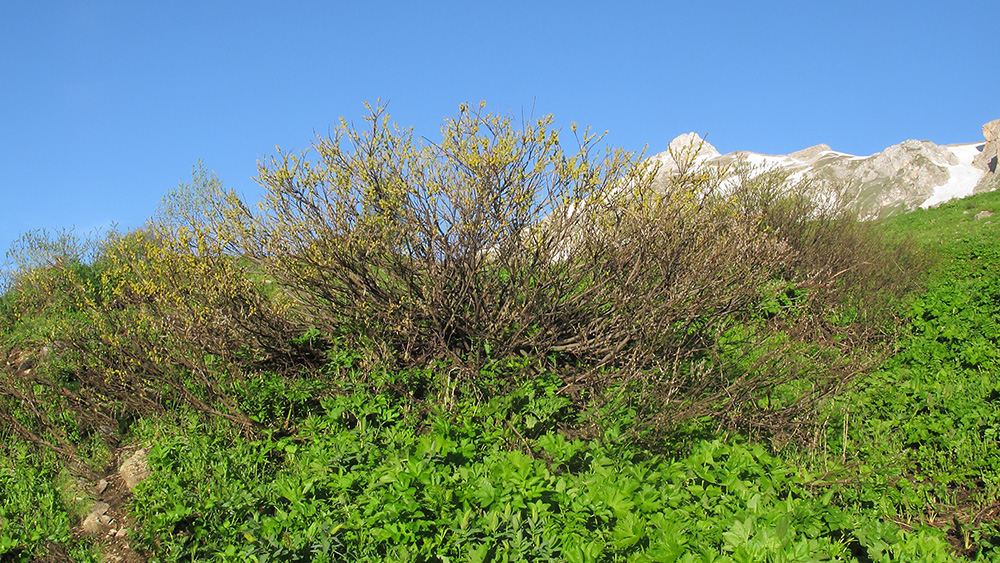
(429, 353)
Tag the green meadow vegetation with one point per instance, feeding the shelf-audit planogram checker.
(499, 348)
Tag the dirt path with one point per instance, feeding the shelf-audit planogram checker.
(108, 521)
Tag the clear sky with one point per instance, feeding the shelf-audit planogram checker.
(106, 106)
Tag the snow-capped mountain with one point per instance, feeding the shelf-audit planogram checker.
(901, 178)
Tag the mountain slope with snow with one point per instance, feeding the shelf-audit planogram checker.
(901, 178)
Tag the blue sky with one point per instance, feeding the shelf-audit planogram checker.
(106, 106)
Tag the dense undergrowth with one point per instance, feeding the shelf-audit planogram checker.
(490, 349)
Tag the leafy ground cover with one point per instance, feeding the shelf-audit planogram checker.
(37, 508)
(358, 482)
(922, 445)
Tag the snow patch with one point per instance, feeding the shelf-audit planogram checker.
(798, 176)
(963, 176)
(768, 162)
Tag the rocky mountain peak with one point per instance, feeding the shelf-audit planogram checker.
(693, 142)
(690, 148)
(811, 153)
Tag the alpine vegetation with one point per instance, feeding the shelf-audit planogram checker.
(506, 343)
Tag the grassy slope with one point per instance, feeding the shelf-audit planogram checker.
(908, 471)
(923, 430)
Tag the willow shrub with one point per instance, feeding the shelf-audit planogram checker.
(48, 281)
(183, 320)
(180, 322)
(491, 256)
(147, 321)
(497, 242)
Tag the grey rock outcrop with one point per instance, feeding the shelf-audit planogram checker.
(96, 520)
(899, 178)
(134, 469)
(987, 159)
(989, 183)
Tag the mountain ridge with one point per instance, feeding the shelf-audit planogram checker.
(903, 177)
